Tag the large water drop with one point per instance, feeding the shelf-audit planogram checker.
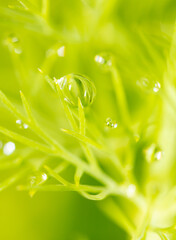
(74, 86)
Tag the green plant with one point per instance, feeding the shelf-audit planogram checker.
(127, 164)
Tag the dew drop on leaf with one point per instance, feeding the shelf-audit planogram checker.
(13, 43)
(158, 154)
(61, 51)
(153, 153)
(111, 124)
(9, 148)
(74, 86)
(149, 85)
(115, 125)
(104, 60)
(21, 124)
(38, 178)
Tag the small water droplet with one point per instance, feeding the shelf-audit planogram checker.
(38, 178)
(153, 153)
(156, 87)
(76, 86)
(111, 124)
(149, 85)
(50, 52)
(9, 148)
(108, 122)
(104, 60)
(158, 154)
(21, 125)
(61, 51)
(18, 50)
(13, 43)
(131, 191)
(40, 70)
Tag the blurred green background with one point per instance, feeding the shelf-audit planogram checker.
(53, 216)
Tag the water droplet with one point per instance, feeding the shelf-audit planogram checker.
(76, 86)
(131, 191)
(61, 51)
(158, 154)
(38, 178)
(40, 70)
(9, 148)
(149, 85)
(13, 43)
(156, 87)
(21, 125)
(104, 60)
(153, 153)
(115, 125)
(111, 124)
(18, 50)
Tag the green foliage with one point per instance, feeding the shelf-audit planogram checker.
(128, 51)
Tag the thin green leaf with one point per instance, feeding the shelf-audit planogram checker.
(120, 96)
(10, 106)
(13, 179)
(49, 80)
(93, 189)
(26, 141)
(162, 236)
(61, 167)
(56, 176)
(27, 107)
(82, 130)
(78, 175)
(83, 139)
(45, 8)
(10, 164)
(95, 197)
(26, 4)
(35, 126)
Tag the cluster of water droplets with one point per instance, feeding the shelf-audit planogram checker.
(111, 124)
(21, 124)
(149, 85)
(38, 178)
(74, 86)
(59, 50)
(8, 148)
(104, 60)
(153, 153)
(13, 43)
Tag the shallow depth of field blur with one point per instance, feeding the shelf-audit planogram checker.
(141, 37)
